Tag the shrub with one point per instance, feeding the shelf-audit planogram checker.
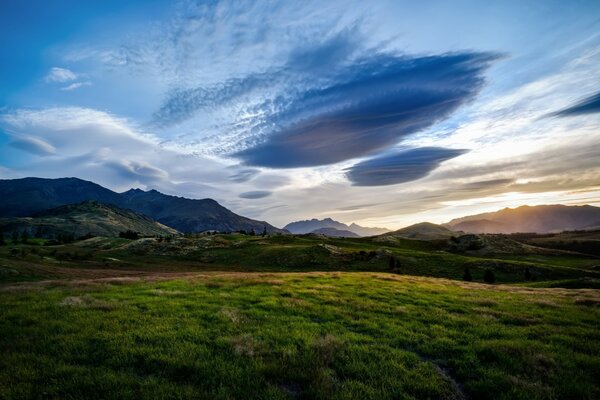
(527, 274)
(467, 275)
(129, 234)
(489, 277)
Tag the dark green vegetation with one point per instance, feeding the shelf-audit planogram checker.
(310, 335)
(511, 262)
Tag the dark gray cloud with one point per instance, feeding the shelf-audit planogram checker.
(255, 194)
(588, 105)
(372, 105)
(244, 175)
(399, 167)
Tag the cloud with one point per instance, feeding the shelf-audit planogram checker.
(244, 175)
(373, 104)
(75, 85)
(33, 145)
(588, 105)
(255, 194)
(399, 167)
(60, 75)
(137, 169)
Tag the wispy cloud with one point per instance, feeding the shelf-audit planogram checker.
(588, 105)
(75, 85)
(60, 75)
(33, 145)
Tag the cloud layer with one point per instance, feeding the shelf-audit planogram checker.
(399, 167)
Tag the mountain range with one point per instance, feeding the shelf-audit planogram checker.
(86, 218)
(539, 219)
(28, 196)
(317, 225)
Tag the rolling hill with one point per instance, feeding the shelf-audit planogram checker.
(88, 217)
(27, 196)
(540, 219)
(423, 231)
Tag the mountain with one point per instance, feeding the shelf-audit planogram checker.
(423, 231)
(332, 232)
(88, 217)
(482, 226)
(188, 215)
(25, 197)
(540, 219)
(312, 225)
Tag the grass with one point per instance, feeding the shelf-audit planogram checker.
(297, 335)
(293, 317)
(283, 253)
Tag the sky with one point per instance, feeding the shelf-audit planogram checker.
(382, 113)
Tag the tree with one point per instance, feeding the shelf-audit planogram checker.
(489, 277)
(2, 243)
(264, 231)
(15, 237)
(392, 263)
(24, 237)
(467, 275)
(528, 274)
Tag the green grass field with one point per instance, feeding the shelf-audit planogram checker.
(293, 317)
(299, 335)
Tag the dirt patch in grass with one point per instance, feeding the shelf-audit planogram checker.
(233, 315)
(87, 302)
(246, 345)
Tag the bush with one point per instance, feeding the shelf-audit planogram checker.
(528, 275)
(467, 275)
(129, 234)
(489, 277)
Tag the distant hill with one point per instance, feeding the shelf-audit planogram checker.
(423, 231)
(332, 232)
(25, 197)
(85, 218)
(312, 225)
(540, 219)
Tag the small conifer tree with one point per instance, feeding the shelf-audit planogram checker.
(489, 277)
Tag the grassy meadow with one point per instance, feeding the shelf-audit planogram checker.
(293, 317)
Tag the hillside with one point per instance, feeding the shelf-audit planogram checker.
(312, 225)
(25, 197)
(423, 231)
(540, 219)
(85, 218)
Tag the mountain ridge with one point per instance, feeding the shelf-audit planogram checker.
(27, 196)
(540, 219)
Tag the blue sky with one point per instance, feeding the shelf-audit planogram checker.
(381, 113)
